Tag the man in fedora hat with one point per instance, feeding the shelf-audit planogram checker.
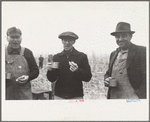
(20, 67)
(127, 67)
(73, 69)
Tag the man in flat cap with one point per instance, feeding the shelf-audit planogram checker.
(127, 67)
(73, 69)
(20, 67)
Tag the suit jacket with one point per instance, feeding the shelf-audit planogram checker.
(136, 69)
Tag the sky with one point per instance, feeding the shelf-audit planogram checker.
(42, 22)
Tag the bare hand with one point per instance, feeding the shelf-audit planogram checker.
(73, 66)
(106, 81)
(22, 79)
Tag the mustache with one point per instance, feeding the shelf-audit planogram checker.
(67, 45)
(121, 41)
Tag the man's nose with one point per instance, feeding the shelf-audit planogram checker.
(120, 38)
(67, 42)
(15, 40)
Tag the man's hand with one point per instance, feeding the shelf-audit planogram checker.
(106, 81)
(22, 79)
(73, 66)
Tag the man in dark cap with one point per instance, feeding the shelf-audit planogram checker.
(73, 69)
(20, 67)
(127, 67)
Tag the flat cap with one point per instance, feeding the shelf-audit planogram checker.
(68, 34)
(13, 31)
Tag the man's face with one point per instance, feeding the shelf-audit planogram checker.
(68, 43)
(14, 41)
(123, 40)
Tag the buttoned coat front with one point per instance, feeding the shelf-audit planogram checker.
(136, 69)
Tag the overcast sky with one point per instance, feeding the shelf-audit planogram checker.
(42, 22)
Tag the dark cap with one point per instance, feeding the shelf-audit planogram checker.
(123, 27)
(68, 34)
(13, 31)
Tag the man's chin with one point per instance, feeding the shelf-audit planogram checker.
(121, 45)
(15, 47)
(67, 48)
(124, 47)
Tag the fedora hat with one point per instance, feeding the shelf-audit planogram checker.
(122, 27)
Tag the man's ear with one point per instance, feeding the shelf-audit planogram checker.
(20, 39)
(8, 39)
(130, 36)
(62, 41)
(74, 41)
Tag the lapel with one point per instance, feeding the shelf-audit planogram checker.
(131, 53)
(113, 58)
(74, 51)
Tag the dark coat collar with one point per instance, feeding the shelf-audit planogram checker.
(74, 51)
(131, 53)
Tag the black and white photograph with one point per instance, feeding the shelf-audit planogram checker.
(75, 60)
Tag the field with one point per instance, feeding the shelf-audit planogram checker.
(92, 90)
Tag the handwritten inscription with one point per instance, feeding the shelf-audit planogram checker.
(133, 100)
(72, 101)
